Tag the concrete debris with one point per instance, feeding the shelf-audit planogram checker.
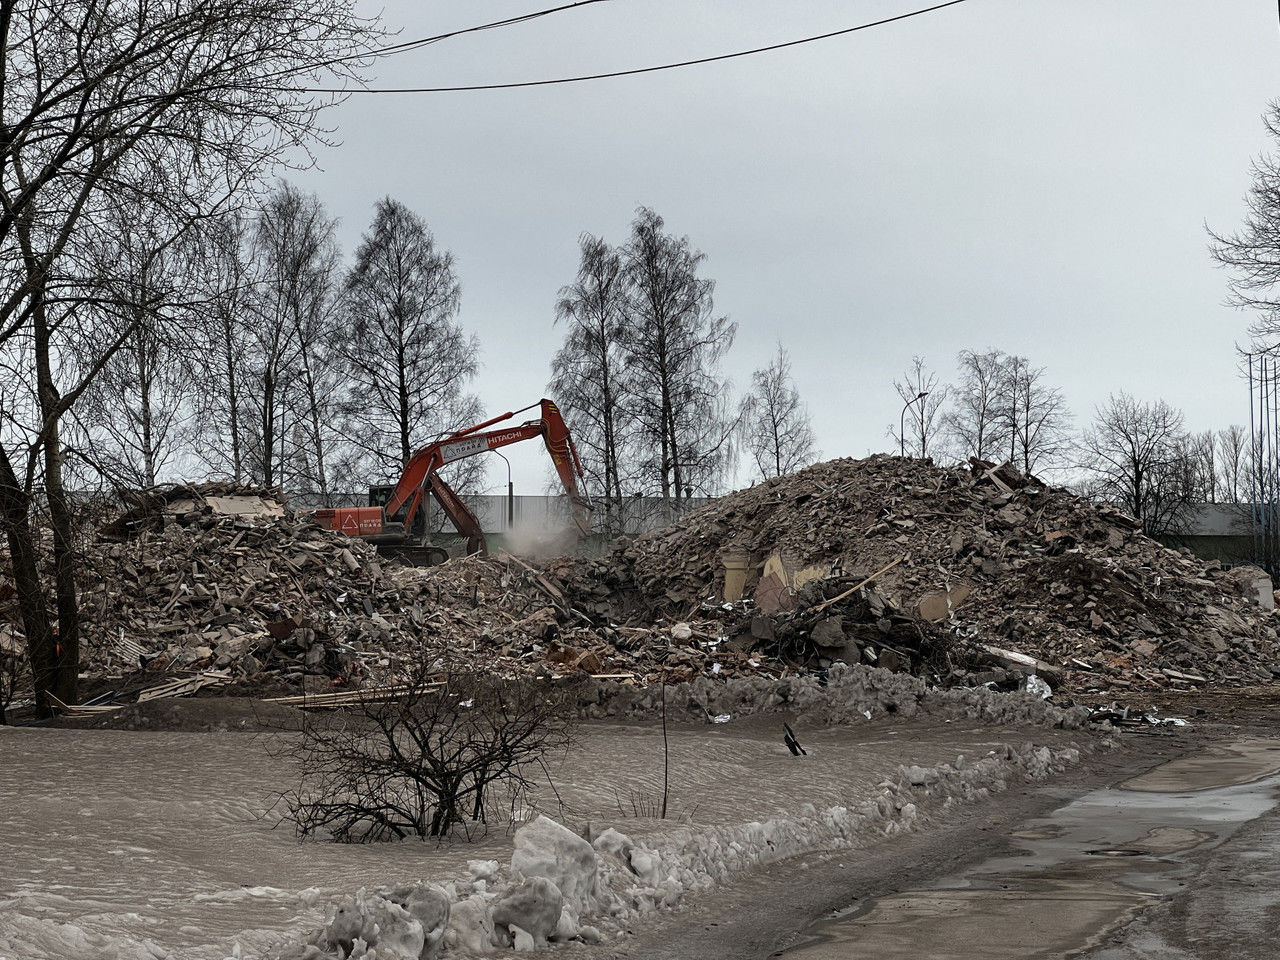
(963, 576)
(976, 574)
(1256, 583)
(183, 503)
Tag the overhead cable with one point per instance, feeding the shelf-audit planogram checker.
(636, 70)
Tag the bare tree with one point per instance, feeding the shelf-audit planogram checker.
(405, 357)
(1232, 463)
(293, 396)
(673, 346)
(1035, 417)
(1200, 450)
(224, 276)
(923, 400)
(1252, 253)
(778, 432)
(172, 107)
(426, 761)
(139, 415)
(976, 423)
(587, 373)
(1134, 453)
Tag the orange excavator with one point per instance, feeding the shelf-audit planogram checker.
(394, 525)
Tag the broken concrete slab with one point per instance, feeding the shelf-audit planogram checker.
(938, 605)
(1256, 584)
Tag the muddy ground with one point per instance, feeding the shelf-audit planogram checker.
(160, 842)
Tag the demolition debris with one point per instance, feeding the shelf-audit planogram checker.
(974, 573)
(962, 576)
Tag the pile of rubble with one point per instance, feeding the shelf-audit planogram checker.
(228, 584)
(901, 563)
(963, 576)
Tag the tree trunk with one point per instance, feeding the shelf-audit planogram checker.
(268, 429)
(146, 377)
(67, 645)
(42, 647)
(66, 685)
(233, 411)
(402, 386)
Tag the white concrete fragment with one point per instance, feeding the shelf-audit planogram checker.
(1256, 585)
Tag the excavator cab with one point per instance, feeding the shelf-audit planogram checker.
(379, 494)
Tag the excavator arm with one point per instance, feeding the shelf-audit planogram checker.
(421, 470)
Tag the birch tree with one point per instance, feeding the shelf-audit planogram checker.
(923, 398)
(139, 415)
(588, 375)
(976, 423)
(1233, 463)
(779, 435)
(673, 345)
(295, 313)
(225, 277)
(1034, 415)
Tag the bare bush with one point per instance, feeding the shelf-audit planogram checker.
(428, 761)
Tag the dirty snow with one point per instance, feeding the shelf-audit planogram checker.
(158, 845)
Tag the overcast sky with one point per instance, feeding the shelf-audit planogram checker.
(1032, 175)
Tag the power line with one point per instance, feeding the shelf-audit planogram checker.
(632, 72)
(493, 25)
(410, 45)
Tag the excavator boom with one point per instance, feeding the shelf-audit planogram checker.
(396, 518)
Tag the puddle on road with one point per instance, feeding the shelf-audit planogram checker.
(1218, 765)
(1077, 874)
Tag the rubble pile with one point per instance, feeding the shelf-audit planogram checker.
(976, 569)
(227, 580)
(258, 595)
(961, 576)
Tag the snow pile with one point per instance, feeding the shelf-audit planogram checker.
(562, 887)
(407, 923)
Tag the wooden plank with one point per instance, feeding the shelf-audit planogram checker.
(854, 589)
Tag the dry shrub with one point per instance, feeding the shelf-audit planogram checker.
(428, 761)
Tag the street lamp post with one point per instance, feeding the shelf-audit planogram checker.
(511, 494)
(902, 423)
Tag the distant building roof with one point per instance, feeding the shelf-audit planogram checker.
(1219, 520)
